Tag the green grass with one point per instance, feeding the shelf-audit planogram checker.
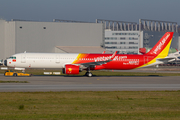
(114, 105)
(2, 81)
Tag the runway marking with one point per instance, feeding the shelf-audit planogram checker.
(111, 83)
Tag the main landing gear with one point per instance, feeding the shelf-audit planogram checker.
(88, 73)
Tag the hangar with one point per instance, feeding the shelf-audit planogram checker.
(17, 36)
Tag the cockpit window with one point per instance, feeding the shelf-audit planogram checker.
(12, 57)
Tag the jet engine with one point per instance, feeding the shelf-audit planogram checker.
(71, 69)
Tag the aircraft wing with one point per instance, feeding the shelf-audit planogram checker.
(166, 59)
(99, 62)
(95, 63)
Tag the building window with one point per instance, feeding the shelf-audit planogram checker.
(133, 47)
(132, 38)
(110, 42)
(124, 33)
(122, 43)
(133, 43)
(110, 38)
(112, 47)
(122, 38)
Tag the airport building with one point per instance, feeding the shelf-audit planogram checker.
(122, 41)
(128, 37)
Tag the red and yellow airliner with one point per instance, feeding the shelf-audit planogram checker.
(73, 63)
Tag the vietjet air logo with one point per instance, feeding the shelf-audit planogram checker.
(159, 47)
(70, 69)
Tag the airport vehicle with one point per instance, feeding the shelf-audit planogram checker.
(73, 63)
(11, 73)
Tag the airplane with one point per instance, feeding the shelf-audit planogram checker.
(73, 63)
(1, 62)
(176, 55)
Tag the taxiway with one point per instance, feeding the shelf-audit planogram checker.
(95, 83)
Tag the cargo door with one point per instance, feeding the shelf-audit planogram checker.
(23, 58)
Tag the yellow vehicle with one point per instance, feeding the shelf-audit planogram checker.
(11, 73)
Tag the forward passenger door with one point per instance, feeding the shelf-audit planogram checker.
(23, 58)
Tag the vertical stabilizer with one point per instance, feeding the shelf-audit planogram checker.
(161, 49)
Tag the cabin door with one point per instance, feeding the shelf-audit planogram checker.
(23, 58)
(57, 58)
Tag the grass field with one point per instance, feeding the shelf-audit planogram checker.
(3, 81)
(114, 105)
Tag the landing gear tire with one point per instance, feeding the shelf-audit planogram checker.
(89, 74)
(15, 74)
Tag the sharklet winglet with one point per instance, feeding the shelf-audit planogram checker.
(112, 57)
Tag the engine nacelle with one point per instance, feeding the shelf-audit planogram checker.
(71, 69)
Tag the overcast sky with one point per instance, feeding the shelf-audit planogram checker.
(90, 10)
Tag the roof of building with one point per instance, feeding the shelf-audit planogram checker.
(82, 49)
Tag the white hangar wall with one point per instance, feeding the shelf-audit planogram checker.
(30, 36)
(7, 39)
(45, 36)
(2, 38)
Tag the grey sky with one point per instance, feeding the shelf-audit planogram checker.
(90, 10)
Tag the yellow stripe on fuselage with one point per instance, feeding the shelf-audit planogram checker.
(80, 55)
(75, 61)
(163, 54)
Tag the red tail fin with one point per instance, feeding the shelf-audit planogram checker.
(163, 45)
